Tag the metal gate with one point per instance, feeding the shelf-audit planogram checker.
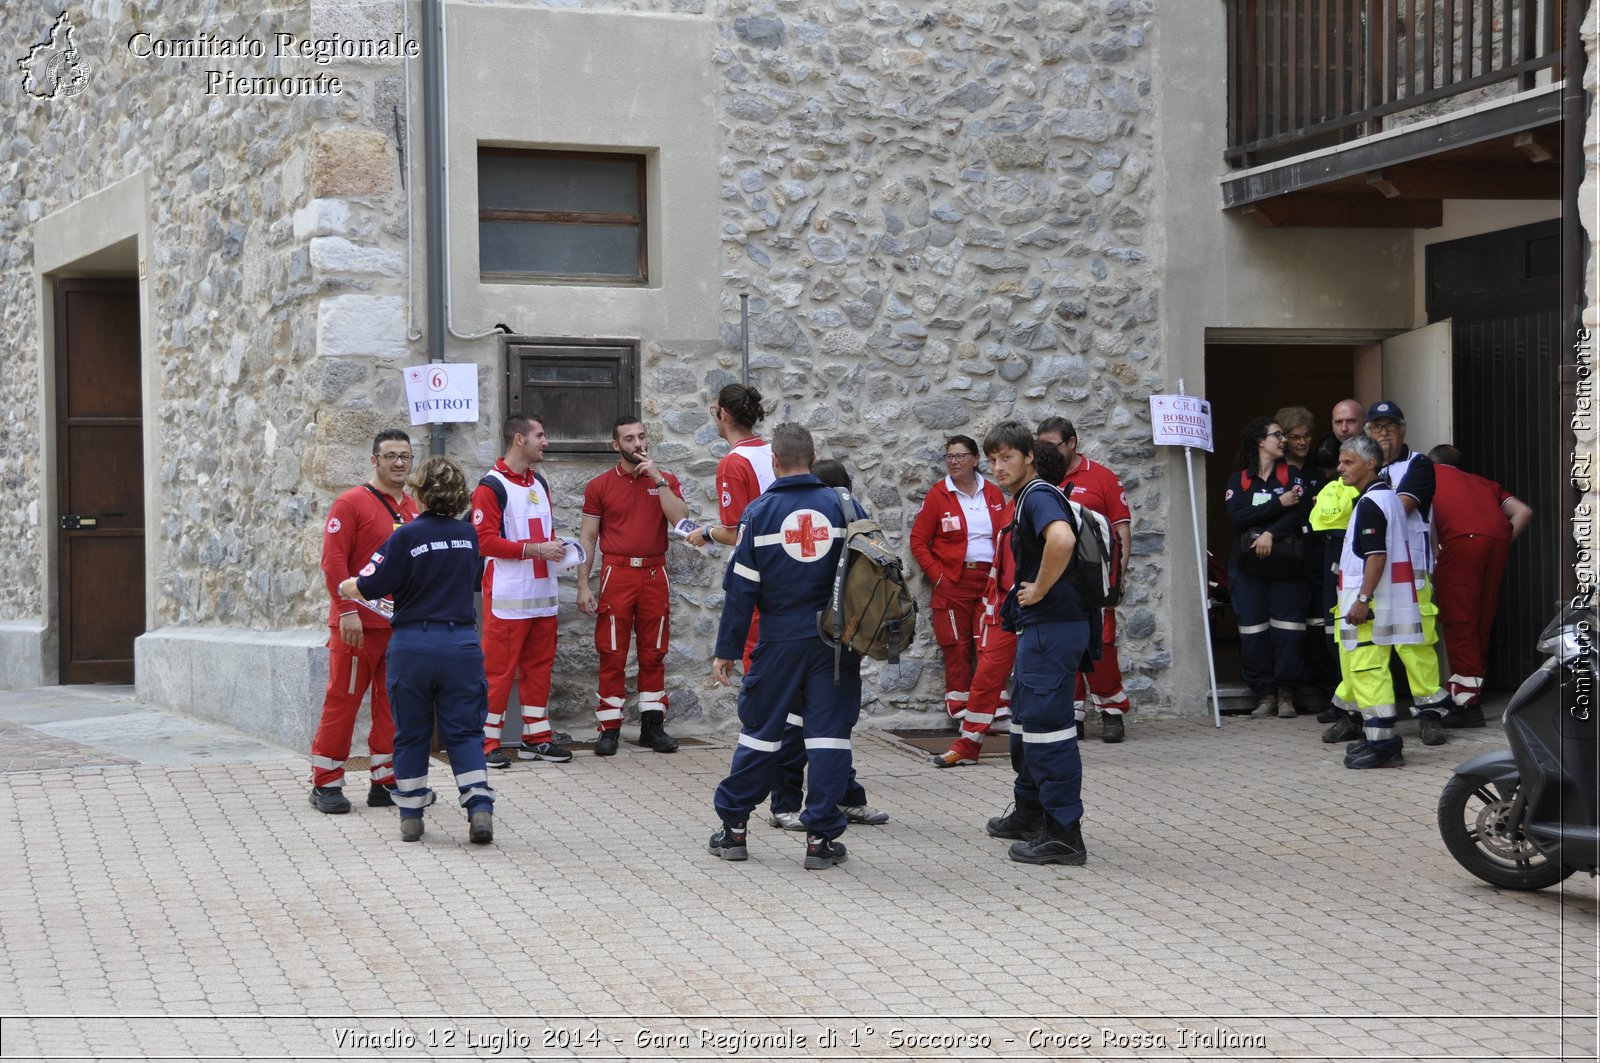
(1503, 292)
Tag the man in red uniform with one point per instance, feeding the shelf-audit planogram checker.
(1474, 521)
(359, 522)
(1091, 484)
(627, 509)
(514, 517)
(953, 541)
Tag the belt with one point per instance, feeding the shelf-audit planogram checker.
(976, 564)
(619, 561)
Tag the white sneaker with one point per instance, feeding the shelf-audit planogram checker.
(872, 817)
(786, 820)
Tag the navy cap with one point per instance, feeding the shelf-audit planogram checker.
(1382, 409)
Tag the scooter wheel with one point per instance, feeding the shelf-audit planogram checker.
(1474, 821)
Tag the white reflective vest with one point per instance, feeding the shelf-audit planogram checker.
(1416, 523)
(1396, 616)
(520, 590)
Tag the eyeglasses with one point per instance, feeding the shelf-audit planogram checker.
(960, 455)
(1276, 435)
(1300, 437)
(396, 459)
(1388, 428)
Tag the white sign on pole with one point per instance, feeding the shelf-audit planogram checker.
(1181, 421)
(442, 391)
(1185, 421)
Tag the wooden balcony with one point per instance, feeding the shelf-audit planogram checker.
(1380, 109)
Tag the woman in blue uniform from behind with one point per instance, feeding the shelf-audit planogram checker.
(435, 659)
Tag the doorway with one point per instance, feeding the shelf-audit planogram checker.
(1249, 380)
(99, 478)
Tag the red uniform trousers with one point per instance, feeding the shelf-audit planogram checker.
(510, 646)
(957, 608)
(1466, 588)
(1104, 684)
(997, 651)
(350, 673)
(632, 601)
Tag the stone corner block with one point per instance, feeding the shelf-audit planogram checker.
(352, 162)
(23, 648)
(335, 254)
(372, 325)
(267, 684)
(321, 217)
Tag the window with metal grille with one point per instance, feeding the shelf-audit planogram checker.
(578, 388)
(561, 216)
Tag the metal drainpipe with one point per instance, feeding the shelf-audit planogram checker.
(433, 171)
(1575, 115)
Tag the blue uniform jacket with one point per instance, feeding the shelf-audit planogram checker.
(783, 563)
(429, 566)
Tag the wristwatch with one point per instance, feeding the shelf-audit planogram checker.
(1364, 599)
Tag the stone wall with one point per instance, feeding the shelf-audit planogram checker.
(939, 216)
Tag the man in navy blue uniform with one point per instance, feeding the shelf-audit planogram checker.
(783, 563)
(1052, 629)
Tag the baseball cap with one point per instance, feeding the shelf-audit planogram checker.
(1383, 408)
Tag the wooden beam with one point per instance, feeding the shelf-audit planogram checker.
(1347, 212)
(1540, 145)
(1461, 181)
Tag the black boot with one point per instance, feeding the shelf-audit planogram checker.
(653, 733)
(1053, 845)
(1016, 823)
(606, 744)
(1465, 716)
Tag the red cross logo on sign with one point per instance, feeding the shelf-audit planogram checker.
(803, 531)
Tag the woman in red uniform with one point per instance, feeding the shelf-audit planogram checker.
(953, 540)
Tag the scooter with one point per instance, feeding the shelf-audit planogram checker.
(1525, 818)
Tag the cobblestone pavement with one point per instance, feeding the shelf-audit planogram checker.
(1246, 897)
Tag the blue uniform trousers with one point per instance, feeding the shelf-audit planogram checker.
(794, 677)
(436, 675)
(1044, 738)
(787, 794)
(1272, 629)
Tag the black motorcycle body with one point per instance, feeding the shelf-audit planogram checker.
(1527, 817)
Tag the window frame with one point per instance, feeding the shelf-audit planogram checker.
(519, 349)
(639, 219)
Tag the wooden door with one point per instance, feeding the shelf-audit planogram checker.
(100, 478)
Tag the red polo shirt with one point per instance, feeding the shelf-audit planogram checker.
(1465, 504)
(629, 511)
(1097, 487)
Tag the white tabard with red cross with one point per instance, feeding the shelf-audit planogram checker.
(519, 590)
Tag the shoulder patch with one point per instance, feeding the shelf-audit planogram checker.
(334, 525)
(727, 497)
(477, 515)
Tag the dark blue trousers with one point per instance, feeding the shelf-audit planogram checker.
(1272, 629)
(787, 793)
(794, 677)
(1044, 736)
(436, 676)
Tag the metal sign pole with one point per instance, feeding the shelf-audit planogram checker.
(1205, 582)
